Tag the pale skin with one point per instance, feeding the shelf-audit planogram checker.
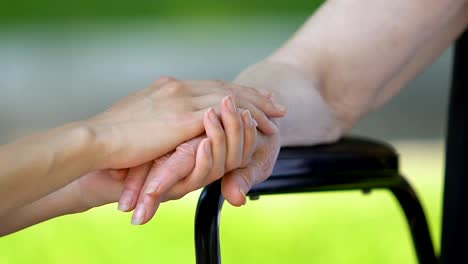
(348, 59)
(330, 73)
(42, 176)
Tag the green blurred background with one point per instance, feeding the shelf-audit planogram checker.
(53, 10)
(62, 61)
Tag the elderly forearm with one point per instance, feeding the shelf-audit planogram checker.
(353, 56)
(430, 51)
(358, 47)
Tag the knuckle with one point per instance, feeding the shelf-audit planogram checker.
(201, 171)
(160, 161)
(246, 180)
(176, 193)
(219, 82)
(218, 138)
(233, 164)
(169, 169)
(250, 90)
(162, 80)
(216, 174)
(156, 194)
(133, 186)
(186, 149)
(192, 184)
(178, 196)
(195, 182)
(244, 163)
(235, 96)
(265, 103)
(246, 159)
(237, 126)
(133, 178)
(174, 86)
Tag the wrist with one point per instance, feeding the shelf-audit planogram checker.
(101, 142)
(310, 119)
(69, 199)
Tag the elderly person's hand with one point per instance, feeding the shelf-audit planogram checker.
(72, 168)
(193, 165)
(229, 144)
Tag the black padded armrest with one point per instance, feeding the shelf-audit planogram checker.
(348, 154)
(350, 163)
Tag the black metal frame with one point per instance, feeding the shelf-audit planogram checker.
(455, 211)
(211, 202)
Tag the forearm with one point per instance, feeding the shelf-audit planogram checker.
(430, 51)
(355, 56)
(62, 202)
(36, 166)
(309, 120)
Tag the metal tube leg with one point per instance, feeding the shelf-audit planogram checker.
(414, 212)
(207, 248)
(455, 216)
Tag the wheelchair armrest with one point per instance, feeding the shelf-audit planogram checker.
(350, 163)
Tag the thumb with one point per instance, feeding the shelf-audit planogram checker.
(236, 184)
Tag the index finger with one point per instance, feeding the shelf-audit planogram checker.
(162, 177)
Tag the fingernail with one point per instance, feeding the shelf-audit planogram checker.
(212, 116)
(229, 103)
(138, 216)
(125, 200)
(248, 118)
(280, 107)
(255, 124)
(152, 187)
(275, 128)
(244, 196)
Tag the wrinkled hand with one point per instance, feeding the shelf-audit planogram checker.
(99, 187)
(154, 121)
(187, 169)
(229, 144)
(236, 184)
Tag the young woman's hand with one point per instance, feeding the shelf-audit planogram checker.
(229, 144)
(175, 101)
(154, 121)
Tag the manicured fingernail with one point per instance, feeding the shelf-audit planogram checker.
(248, 118)
(124, 207)
(280, 107)
(152, 187)
(212, 116)
(138, 216)
(125, 200)
(229, 103)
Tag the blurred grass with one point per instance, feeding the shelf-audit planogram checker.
(24, 11)
(337, 227)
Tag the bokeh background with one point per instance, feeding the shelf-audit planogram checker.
(62, 61)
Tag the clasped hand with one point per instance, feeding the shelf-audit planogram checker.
(178, 136)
